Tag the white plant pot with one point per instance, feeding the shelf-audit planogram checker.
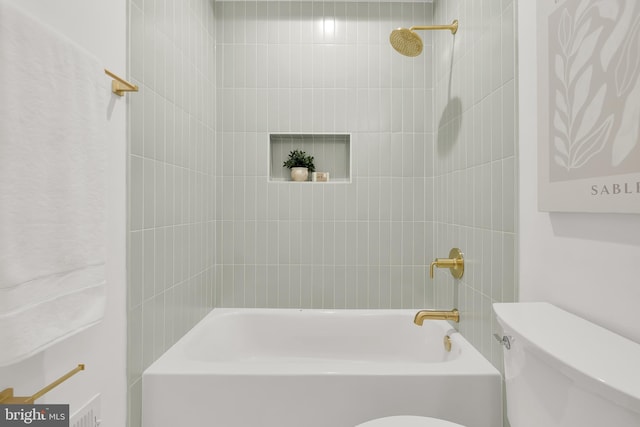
(299, 174)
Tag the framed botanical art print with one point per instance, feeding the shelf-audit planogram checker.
(589, 105)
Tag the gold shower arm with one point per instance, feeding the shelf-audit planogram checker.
(453, 27)
(7, 397)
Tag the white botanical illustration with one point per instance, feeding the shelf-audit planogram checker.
(595, 86)
(589, 84)
(581, 130)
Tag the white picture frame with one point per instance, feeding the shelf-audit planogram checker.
(589, 106)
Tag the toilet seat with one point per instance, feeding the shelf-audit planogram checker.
(408, 421)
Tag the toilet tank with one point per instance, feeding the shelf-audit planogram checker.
(564, 371)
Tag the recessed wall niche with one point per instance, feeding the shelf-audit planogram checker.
(331, 153)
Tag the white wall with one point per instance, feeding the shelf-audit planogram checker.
(588, 264)
(100, 27)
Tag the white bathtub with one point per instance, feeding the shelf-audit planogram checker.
(317, 368)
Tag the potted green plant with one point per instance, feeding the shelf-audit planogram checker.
(300, 164)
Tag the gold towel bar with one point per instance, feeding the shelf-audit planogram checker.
(119, 85)
(7, 397)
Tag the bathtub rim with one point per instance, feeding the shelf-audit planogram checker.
(174, 361)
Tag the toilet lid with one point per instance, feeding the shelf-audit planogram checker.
(408, 421)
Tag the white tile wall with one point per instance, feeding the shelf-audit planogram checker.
(324, 67)
(171, 227)
(475, 162)
(433, 162)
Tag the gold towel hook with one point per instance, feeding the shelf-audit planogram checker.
(7, 397)
(119, 85)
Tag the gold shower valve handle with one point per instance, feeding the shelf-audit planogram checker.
(455, 264)
(442, 263)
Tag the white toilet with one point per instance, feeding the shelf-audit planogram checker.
(560, 371)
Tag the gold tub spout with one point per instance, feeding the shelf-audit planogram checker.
(436, 315)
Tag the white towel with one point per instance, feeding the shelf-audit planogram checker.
(53, 99)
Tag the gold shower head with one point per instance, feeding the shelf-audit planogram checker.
(408, 42)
